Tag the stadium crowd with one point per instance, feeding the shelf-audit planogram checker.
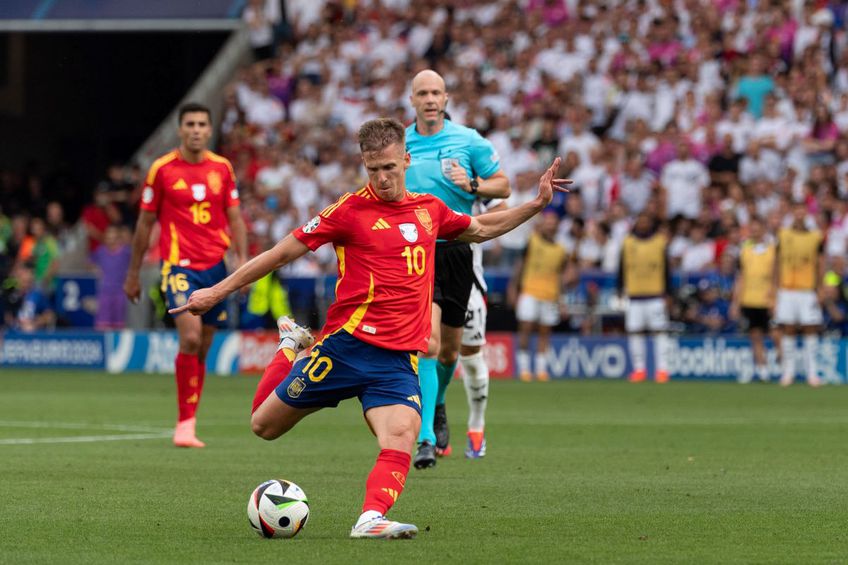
(702, 113)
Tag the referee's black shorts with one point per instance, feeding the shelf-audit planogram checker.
(454, 280)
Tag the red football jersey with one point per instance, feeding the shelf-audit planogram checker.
(386, 254)
(191, 201)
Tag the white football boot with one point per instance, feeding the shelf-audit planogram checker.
(381, 528)
(294, 337)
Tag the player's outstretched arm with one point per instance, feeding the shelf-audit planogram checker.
(281, 254)
(239, 230)
(492, 225)
(140, 242)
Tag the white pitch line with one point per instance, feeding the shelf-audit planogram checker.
(81, 439)
(136, 432)
(78, 426)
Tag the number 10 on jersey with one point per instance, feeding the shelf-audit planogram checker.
(415, 259)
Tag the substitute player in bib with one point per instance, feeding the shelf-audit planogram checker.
(385, 240)
(537, 283)
(475, 371)
(457, 165)
(798, 271)
(643, 277)
(192, 193)
(753, 294)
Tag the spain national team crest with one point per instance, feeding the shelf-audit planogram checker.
(424, 218)
(215, 182)
(296, 387)
(409, 232)
(198, 192)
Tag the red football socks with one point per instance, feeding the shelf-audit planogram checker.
(189, 384)
(274, 374)
(386, 481)
(201, 377)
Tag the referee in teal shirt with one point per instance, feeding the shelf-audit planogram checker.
(457, 165)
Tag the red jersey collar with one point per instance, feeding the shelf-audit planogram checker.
(369, 190)
(182, 158)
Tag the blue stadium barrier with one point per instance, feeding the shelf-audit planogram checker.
(65, 350)
(710, 358)
(154, 352)
(713, 358)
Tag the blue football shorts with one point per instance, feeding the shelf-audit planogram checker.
(341, 367)
(179, 282)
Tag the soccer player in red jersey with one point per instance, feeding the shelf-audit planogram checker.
(385, 240)
(192, 193)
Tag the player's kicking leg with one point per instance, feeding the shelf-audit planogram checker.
(293, 340)
(271, 416)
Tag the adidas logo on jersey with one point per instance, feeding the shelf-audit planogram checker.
(180, 185)
(381, 224)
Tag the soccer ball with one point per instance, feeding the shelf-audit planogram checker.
(277, 509)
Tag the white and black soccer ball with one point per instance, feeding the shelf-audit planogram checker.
(277, 509)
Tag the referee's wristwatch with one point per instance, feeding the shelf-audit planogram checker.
(474, 186)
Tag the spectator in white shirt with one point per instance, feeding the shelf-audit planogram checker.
(637, 183)
(766, 198)
(261, 16)
(683, 181)
(774, 133)
(518, 159)
(304, 187)
(307, 108)
(580, 140)
(738, 124)
(264, 109)
(699, 255)
(589, 179)
(754, 166)
(274, 176)
(590, 249)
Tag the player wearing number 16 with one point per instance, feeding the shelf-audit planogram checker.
(385, 238)
(192, 193)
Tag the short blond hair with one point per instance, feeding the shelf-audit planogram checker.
(376, 135)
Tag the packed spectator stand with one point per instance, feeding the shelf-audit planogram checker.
(702, 113)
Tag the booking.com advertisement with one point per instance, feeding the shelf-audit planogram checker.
(247, 352)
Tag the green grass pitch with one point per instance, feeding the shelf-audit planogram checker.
(577, 472)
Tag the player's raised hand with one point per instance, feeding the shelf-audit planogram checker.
(548, 184)
(200, 302)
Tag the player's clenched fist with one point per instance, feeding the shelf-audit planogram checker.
(132, 288)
